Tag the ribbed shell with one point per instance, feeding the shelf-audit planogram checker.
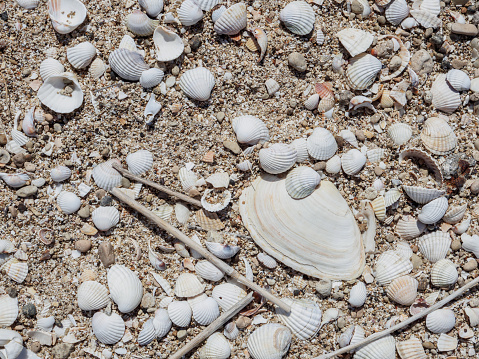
(400, 133)
(298, 17)
(304, 320)
(431, 6)
(105, 218)
(438, 136)
(403, 290)
(426, 19)
(216, 347)
(301, 182)
(266, 260)
(92, 296)
(379, 207)
(168, 45)
(446, 343)
(151, 77)
(362, 71)
(139, 162)
(356, 41)
(127, 64)
(444, 97)
(321, 144)
(60, 173)
(277, 158)
(15, 180)
(301, 147)
(105, 176)
(250, 130)
(441, 321)
(270, 341)
(16, 270)
(231, 331)
(434, 246)
(126, 289)
(97, 68)
(458, 80)
(375, 154)
(221, 250)
(232, 21)
(147, 333)
(50, 67)
(397, 11)
(66, 15)
(411, 349)
(182, 212)
(472, 316)
(140, 24)
(357, 295)
(8, 310)
(390, 265)
(455, 214)
(68, 202)
(161, 322)
(46, 324)
(383, 348)
(108, 329)
(197, 83)
(81, 55)
(208, 221)
(205, 309)
(443, 273)
(312, 102)
(333, 165)
(6, 246)
(227, 295)
(188, 285)
(208, 271)
(152, 7)
(180, 313)
(189, 13)
(422, 195)
(433, 211)
(353, 161)
(51, 96)
(207, 5)
(28, 4)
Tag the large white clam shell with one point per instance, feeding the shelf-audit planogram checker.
(444, 97)
(298, 17)
(28, 4)
(188, 285)
(126, 289)
(205, 309)
(208, 271)
(108, 329)
(391, 265)
(441, 321)
(455, 214)
(321, 144)
(81, 55)
(15, 180)
(422, 195)
(433, 211)
(152, 7)
(277, 158)
(400, 133)
(383, 348)
(66, 15)
(298, 232)
(357, 295)
(270, 341)
(61, 93)
(50, 67)
(446, 343)
(304, 320)
(168, 45)
(434, 246)
(105, 218)
(8, 310)
(151, 77)
(180, 313)
(16, 270)
(216, 347)
(362, 71)
(139, 162)
(106, 176)
(227, 295)
(140, 24)
(189, 13)
(197, 83)
(353, 161)
(403, 290)
(92, 296)
(443, 273)
(301, 182)
(356, 41)
(411, 349)
(60, 173)
(232, 20)
(127, 64)
(250, 130)
(458, 80)
(438, 136)
(397, 11)
(68, 202)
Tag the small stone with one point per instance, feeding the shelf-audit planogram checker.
(428, 345)
(323, 287)
(35, 347)
(475, 43)
(356, 7)
(375, 118)
(84, 212)
(175, 71)
(170, 81)
(106, 253)
(57, 127)
(475, 84)
(88, 230)
(105, 152)
(470, 265)
(232, 146)
(421, 62)
(475, 187)
(220, 116)
(83, 245)
(270, 281)
(243, 322)
(437, 39)
(319, 166)
(29, 310)
(29, 167)
(26, 72)
(27, 191)
(195, 43)
(3, 139)
(297, 61)
(381, 20)
(182, 334)
(100, 194)
(62, 351)
(125, 182)
(458, 64)
(360, 135)
(12, 292)
(378, 171)
(106, 201)
(175, 169)
(416, 261)
(464, 29)
(19, 159)
(395, 63)
(341, 322)
(456, 245)
(293, 103)
(148, 301)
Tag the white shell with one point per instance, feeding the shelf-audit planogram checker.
(431, 6)
(391, 265)
(270, 341)
(383, 348)
(205, 309)
(446, 343)
(422, 195)
(375, 154)
(28, 4)
(411, 349)
(139, 162)
(362, 71)
(50, 93)
(277, 158)
(140, 24)
(16, 270)
(108, 329)
(168, 45)
(222, 251)
(151, 77)
(188, 285)
(106, 176)
(216, 14)
(216, 347)
(266, 260)
(81, 55)
(60, 173)
(458, 80)
(68, 202)
(187, 178)
(245, 166)
(356, 41)
(321, 144)
(353, 161)
(197, 83)
(180, 313)
(397, 11)
(333, 165)
(444, 97)
(443, 273)
(219, 180)
(46, 324)
(403, 290)
(357, 295)
(6, 246)
(304, 320)
(469, 243)
(189, 13)
(208, 271)
(438, 136)
(232, 20)
(298, 17)
(105, 218)
(433, 211)
(472, 316)
(97, 68)
(92, 296)
(207, 5)
(182, 212)
(8, 310)
(147, 333)
(312, 102)
(434, 246)
(227, 295)
(351, 335)
(12, 343)
(126, 289)
(50, 67)
(161, 322)
(441, 321)
(250, 130)
(301, 182)
(152, 7)
(426, 19)
(127, 64)
(400, 133)
(231, 331)
(66, 15)
(272, 86)
(15, 180)
(392, 196)
(455, 214)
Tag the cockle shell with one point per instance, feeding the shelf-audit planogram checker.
(127, 64)
(147, 333)
(151, 77)
(92, 296)
(301, 147)
(403, 290)
(6, 246)
(180, 313)
(61, 93)
(270, 341)
(446, 343)
(232, 20)
(140, 24)
(383, 348)
(444, 97)
(66, 15)
(182, 212)
(277, 158)
(106, 176)
(266, 260)
(28, 4)
(400, 133)
(152, 7)
(353, 161)
(438, 136)
(216, 347)
(434, 246)
(139, 162)
(222, 251)
(298, 17)
(207, 5)
(392, 196)
(422, 195)
(197, 83)
(391, 265)
(349, 137)
(208, 271)
(216, 14)
(15, 180)
(356, 41)
(431, 6)
(189, 13)
(8, 310)
(458, 80)
(333, 165)
(362, 71)
(187, 178)
(231, 331)
(227, 295)
(105, 218)
(433, 211)
(443, 273)
(161, 322)
(455, 214)
(357, 295)
(68, 202)
(97, 68)
(321, 144)
(168, 45)
(188, 285)
(50, 67)
(397, 11)
(379, 207)
(312, 102)
(126, 289)
(60, 173)
(301, 182)
(441, 321)
(375, 154)
(426, 19)
(208, 221)
(108, 329)
(469, 243)
(16, 270)
(304, 320)
(272, 86)
(411, 349)
(351, 336)
(205, 309)
(250, 130)
(81, 55)
(46, 324)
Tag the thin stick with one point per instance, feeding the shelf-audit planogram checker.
(210, 329)
(157, 186)
(175, 232)
(401, 325)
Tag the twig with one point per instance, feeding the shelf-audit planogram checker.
(175, 232)
(210, 329)
(403, 324)
(197, 228)
(6, 93)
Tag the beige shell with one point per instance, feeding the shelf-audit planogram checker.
(188, 285)
(208, 221)
(411, 349)
(391, 265)
(379, 207)
(434, 246)
(443, 274)
(270, 341)
(455, 214)
(362, 71)
(472, 315)
(403, 290)
(422, 195)
(446, 343)
(97, 68)
(16, 270)
(438, 136)
(400, 133)
(355, 41)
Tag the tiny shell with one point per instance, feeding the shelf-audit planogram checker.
(357, 295)
(397, 11)
(208, 271)
(60, 173)
(444, 97)
(105, 218)
(321, 144)
(197, 83)
(127, 64)
(272, 86)
(433, 211)
(422, 195)
(400, 133)
(16, 270)
(353, 161)
(277, 158)
(390, 265)
(446, 343)
(168, 45)
(147, 333)
(333, 165)
(379, 207)
(126, 289)
(301, 182)
(216, 347)
(266, 260)
(139, 162)
(205, 309)
(81, 55)
(189, 13)
(250, 130)
(231, 331)
(108, 329)
(434, 246)
(270, 341)
(403, 290)
(28, 4)
(356, 41)
(106, 176)
(151, 77)
(188, 285)
(438, 137)
(92, 296)
(443, 274)
(441, 321)
(50, 67)
(362, 71)
(312, 102)
(8, 310)
(15, 180)
(180, 313)
(140, 24)
(411, 349)
(68, 202)
(455, 214)
(232, 20)
(304, 320)
(227, 295)
(383, 348)
(298, 17)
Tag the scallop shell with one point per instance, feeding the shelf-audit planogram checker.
(180, 313)
(391, 265)
(68, 202)
(312, 102)
(301, 182)
(422, 195)
(227, 295)
(426, 19)
(208, 221)
(231, 331)
(455, 214)
(105, 218)
(205, 309)
(321, 144)
(250, 130)
(92, 296)
(400, 133)
(60, 173)
(356, 41)
(15, 180)
(108, 329)
(304, 320)
(333, 165)
(97, 68)
(391, 197)
(232, 20)
(357, 295)
(353, 161)
(189, 13)
(197, 83)
(106, 176)
(397, 11)
(298, 17)
(433, 211)
(362, 71)
(50, 67)
(28, 4)
(16, 270)
(147, 333)
(216, 347)
(438, 137)
(51, 93)
(161, 322)
(6, 246)
(81, 55)
(411, 349)
(383, 348)
(266, 260)
(207, 5)
(444, 97)
(434, 246)
(126, 289)
(446, 343)
(458, 80)
(270, 341)
(221, 200)
(140, 24)
(441, 321)
(139, 162)
(188, 285)
(403, 290)
(8, 310)
(379, 208)
(168, 45)
(277, 158)
(443, 274)
(127, 64)
(151, 78)
(208, 271)
(66, 15)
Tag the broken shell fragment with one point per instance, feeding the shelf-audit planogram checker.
(422, 195)
(140, 24)
(188, 285)
(356, 41)
(61, 93)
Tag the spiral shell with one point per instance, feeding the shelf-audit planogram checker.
(443, 274)
(278, 158)
(127, 64)
(108, 329)
(81, 55)
(301, 182)
(92, 296)
(197, 83)
(250, 130)
(362, 71)
(438, 136)
(126, 289)
(321, 144)
(298, 17)
(232, 20)
(403, 290)
(68, 202)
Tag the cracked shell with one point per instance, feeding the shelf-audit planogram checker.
(411, 349)
(188, 285)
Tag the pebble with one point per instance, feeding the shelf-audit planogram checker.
(395, 63)
(38, 182)
(456, 245)
(421, 62)
(319, 166)
(83, 245)
(360, 135)
(29, 167)
(175, 71)
(458, 64)
(378, 171)
(464, 29)
(29, 310)
(297, 61)
(62, 351)
(84, 212)
(12, 292)
(232, 146)
(182, 334)
(220, 116)
(57, 127)
(416, 261)
(35, 347)
(428, 345)
(105, 152)
(170, 81)
(470, 265)
(100, 194)
(381, 20)
(125, 182)
(475, 84)
(106, 253)
(27, 191)
(475, 187)
(3, 139)
(148, 301)
(195, 43)
(106, 201)
(19, 159)
(475, 43)
(323, 287)
(243, 322)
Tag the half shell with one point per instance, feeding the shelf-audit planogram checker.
(16, 270)
(108, 329)
(357, 295)
(168, 44)
(391, 265)
(188, 285)
(250, 130)
(208, 271)
(362, 71)
(50, 67)
(126, 289)
(446, 343)
(321, 144)
(197, 83)
(301, 147)
(8, 310)
(189, 13)
(403, 290)
(433, 211)
(61, 93)
(232, 20)
(216, 347)
(68, 202)
(383, 348)
(352, 162)
(438, 136)
(304, 320)
(397, 11)
(400, 133)
(443, 274)
(444, 97)
(458, 80)
(106, 176)
(270, 341)
(66, 15)
(81, 55)
(152, 7)
(151, 77)
(455, 214)
(92, 296)
(60, 173)
(277, 158)
(227, 295)
(127, 64)
(139, 162)
(356, 41)
(434, 246)
(180, 313)
(441, 321)
(105, 218)
(298, 17)
(205, 309)
(140, 24)
(301, 182)
(411, 349)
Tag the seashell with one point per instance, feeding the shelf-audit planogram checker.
(155, 260)
(105, 218)
(81, 55)
(356, 41)
(352, 162)
(434, 246)
(272, 86)
(14, 148)
(219, 180)
(188, 285)
(126, 289)
(433, 211)
(216, 14)
(16, 270)
(28, 4)
(97, 68)
(66, 15)
(140, 161)
(472, 315)
(227, 295)
(197, 83)
(312, 102)
(8, 310)
(232, 20)
(444, 97)
(163, 283)
(383, 348)
(87, 275)
(68, 202)
(151, 110)
(375, 154)
(301, 147)
(187, 178)
(391, 197)
(397, 11)
(46, 324)
(61, 93)
(465, 332)
(266, 260)
(431, 6)
(152, 7)
(129, 44)
(108, 329)
(92, 296)
(333, 165)
(208, 221)
(357, 295)
(455, 214)
(321, 144)
(443, 274)
(400, 133)
(147, 333)
(216, 347)
(189, 13)
(245, 166)
(15, 180)
(28, 125)
(250, 130)
(169, 46)
(438, 137)
(469, 243)
(441, 321)
(362, 71)
(422, 195)
(403, 290)
(462, 227)
(379, 207)
(50, 67)
(151, 78)
(127, 64)
(458, 80)
(304, 320)
(60, 173)
(140, 24)
(301, 182)
(411, 349)
(351, 336)
(161, 322)
(106, 176)
(426, 19)
(207, 5)
(182, 212)
(6, 246)
(180, 313)
(208, 271)
(391, 265)
(349, 137)
(231, 331)
(164, 211)
(270, 341)
(298, 17)
(215, 201)
(446, 343)
(205, 309)
(277, 158)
